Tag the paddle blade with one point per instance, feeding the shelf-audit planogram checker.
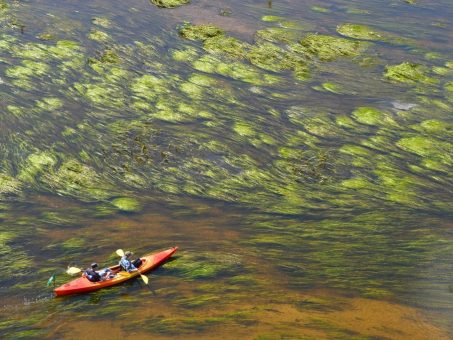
(73, 270)
(120, 252)
(51, 280)
(144, 278)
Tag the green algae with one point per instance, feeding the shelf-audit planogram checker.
(75, 179)
(74, 243)
(409, 73)
(272, 18)
(204, 266)
(235, 70)
(199, 32)
(169, 3)
(9, 185)
(428, 147)
(98, 35)
(269, 57)
(329, 48)
(372, 116)
(49, 104)
(127, 204)
(189, 54)
(320, 9)
(30, 68)
(363, 32)
(37, 163)
(277, 34)
(102, 21)
(226, 45)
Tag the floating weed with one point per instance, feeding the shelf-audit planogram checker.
(277, 34)
(98, 35)
(30, 68)
(271, 57)
(74, 243)
(363, 32)
(188, 54)
(428, 147)
(49, 104)
(37, 163)
(127, 204)
(102, 22)
(320, 9)
(409, 73)
(372, 116)
(9, 185)
(226, 45)
(204, 266)
(329, 48)
(272, 18)
(199, 32)
(169, 3)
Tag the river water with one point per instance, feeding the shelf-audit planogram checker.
(299, 154)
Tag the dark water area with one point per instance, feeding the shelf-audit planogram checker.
(299, 153)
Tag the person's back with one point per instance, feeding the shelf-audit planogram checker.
(91, 274)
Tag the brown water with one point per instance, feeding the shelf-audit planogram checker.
(258, 176)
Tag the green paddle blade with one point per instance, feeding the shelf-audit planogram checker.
(120, 252)
(51, 280)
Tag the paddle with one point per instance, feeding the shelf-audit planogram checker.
(145, 279)
(73, 270)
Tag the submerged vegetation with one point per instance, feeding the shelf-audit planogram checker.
(338, 138)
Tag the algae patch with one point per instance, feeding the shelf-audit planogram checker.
(169, 3)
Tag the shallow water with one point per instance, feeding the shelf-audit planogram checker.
(309, 190)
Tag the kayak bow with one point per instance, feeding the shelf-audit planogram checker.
(83, 285)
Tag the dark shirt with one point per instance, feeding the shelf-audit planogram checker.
(92, 275)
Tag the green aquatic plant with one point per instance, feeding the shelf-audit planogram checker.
(204, 266)
(329, 48)
(277, 34)
(409, 73)
(75, 179)
(372, 116)
(428, 147)
(98, 35)
(102, 21)
(320, 9)
(169, 3)
(37, 164)
(49, 104)
(9, 185)
(29, 69)
(199, 32)
(127, 204)
(269, 57)
(226, 45)
(272, 18)
(188, 54)
(358, 31)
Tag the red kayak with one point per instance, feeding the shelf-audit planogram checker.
(83, 285)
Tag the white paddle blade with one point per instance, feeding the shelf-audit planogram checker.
(73, 270)
(120, 252)
(144, 278)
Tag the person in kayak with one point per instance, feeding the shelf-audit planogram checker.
(127, 264)
(91, 273)
(95, 276)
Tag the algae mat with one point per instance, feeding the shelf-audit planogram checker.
(309, 142)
